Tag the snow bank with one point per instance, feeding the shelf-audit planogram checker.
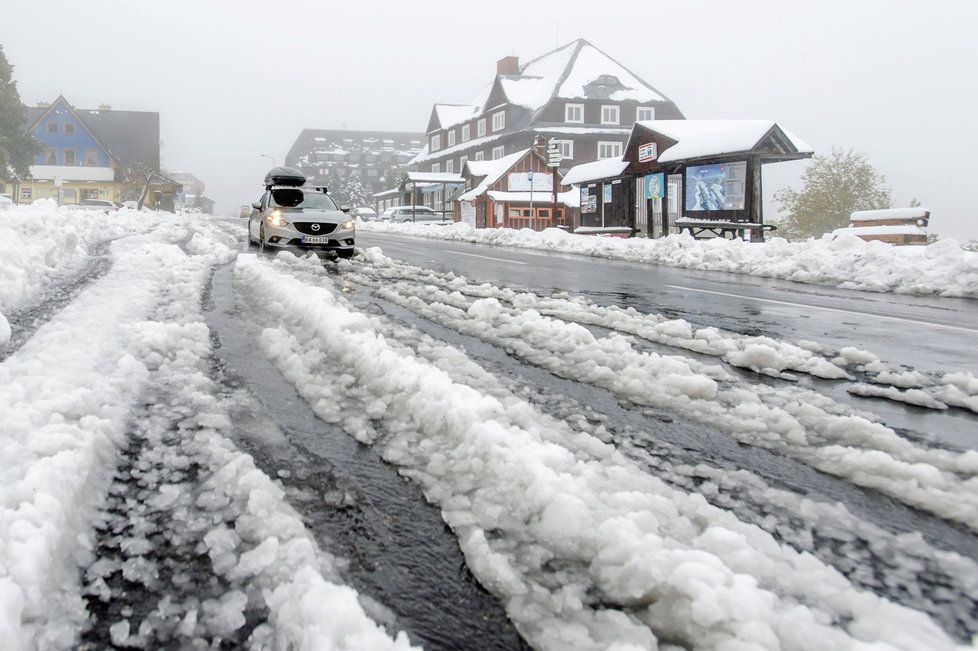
(41, 242)
(130, 341)
(942, 268)
(586, 549)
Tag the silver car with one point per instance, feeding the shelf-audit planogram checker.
(306, 218)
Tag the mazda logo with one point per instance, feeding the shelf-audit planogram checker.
(315, 227)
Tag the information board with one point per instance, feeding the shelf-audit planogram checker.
(716, 187)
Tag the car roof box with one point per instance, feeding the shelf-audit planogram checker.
(285, 176)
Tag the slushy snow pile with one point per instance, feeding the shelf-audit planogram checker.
(76, 395)
(942, 268)
(528, 496)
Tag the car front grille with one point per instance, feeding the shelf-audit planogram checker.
(314, 228)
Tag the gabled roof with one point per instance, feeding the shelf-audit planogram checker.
(491, 171)
(129, 137)
(704, 138)
(578, 70)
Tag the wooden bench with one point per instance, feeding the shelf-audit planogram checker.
(697, 227)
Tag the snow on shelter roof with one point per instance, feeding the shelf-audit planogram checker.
(594, 171)
(889, 213)
(701, 138)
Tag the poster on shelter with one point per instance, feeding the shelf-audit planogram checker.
(716, 187)
(655, 186)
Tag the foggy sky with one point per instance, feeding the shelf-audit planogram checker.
(233, 80)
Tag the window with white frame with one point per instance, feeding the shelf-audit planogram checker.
(566, 148)
(480, 127)
(610, 114)
(451, 138)
(461, 163)
(645, 113)
(498, 152)
(449, 167)
(436, 142)
(479, 155)
(574, 113)
(609, 149)
(499, 120)
(436, 167)
(466, 132)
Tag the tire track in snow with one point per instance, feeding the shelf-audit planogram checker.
(395, 547)
(878, 544)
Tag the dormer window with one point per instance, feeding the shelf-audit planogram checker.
(436, 142)
(645, 113)
(451, 138)
(499, 121)
(466, 132)
(610, 114)
(574, 113)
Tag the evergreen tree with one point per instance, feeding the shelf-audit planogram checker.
(834, 186)
(17, 145)
(351, 192)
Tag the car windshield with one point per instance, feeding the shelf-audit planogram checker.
(297, 199)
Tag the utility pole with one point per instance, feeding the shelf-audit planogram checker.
(529, 176)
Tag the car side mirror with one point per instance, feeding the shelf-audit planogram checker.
(345, 208)
(256, 205)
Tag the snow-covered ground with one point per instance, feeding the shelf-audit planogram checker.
(943, 268)
(546, 429)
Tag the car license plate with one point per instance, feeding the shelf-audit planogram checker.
(315, 240)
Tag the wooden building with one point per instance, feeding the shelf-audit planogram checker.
(899, 226)
(702, 176)
(516, 191)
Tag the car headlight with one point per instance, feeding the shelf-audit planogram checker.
(275, 219)
(350, 223)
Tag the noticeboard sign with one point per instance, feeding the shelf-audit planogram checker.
(648, 152)
(525, 181)
(606, 194)
(716, 187)
(655, 185)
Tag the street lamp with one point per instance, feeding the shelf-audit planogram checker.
(269, 158)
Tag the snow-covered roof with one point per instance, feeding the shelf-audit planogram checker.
(387, 193)
(451, 114)
(600, 169)
(577, 70)
(616, 131)
(881, 230)
(425, 155)
(434, 177)
(570, 198)
(701, 138)
(491, 170)
(584, 79)
(889, 213)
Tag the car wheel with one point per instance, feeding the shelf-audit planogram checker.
(251, 241)
(261, 238)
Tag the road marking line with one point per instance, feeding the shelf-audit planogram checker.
(827, 309)
(485, 257)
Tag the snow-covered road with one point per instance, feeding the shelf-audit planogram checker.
(204, 445)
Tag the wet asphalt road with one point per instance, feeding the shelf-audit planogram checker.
(922, 332)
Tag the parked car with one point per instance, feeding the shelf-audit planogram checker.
(365, 213)
(291, 214)
(388, 214)
(418, 215)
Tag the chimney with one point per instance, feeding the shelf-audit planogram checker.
(105, 107)
(508, 66)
